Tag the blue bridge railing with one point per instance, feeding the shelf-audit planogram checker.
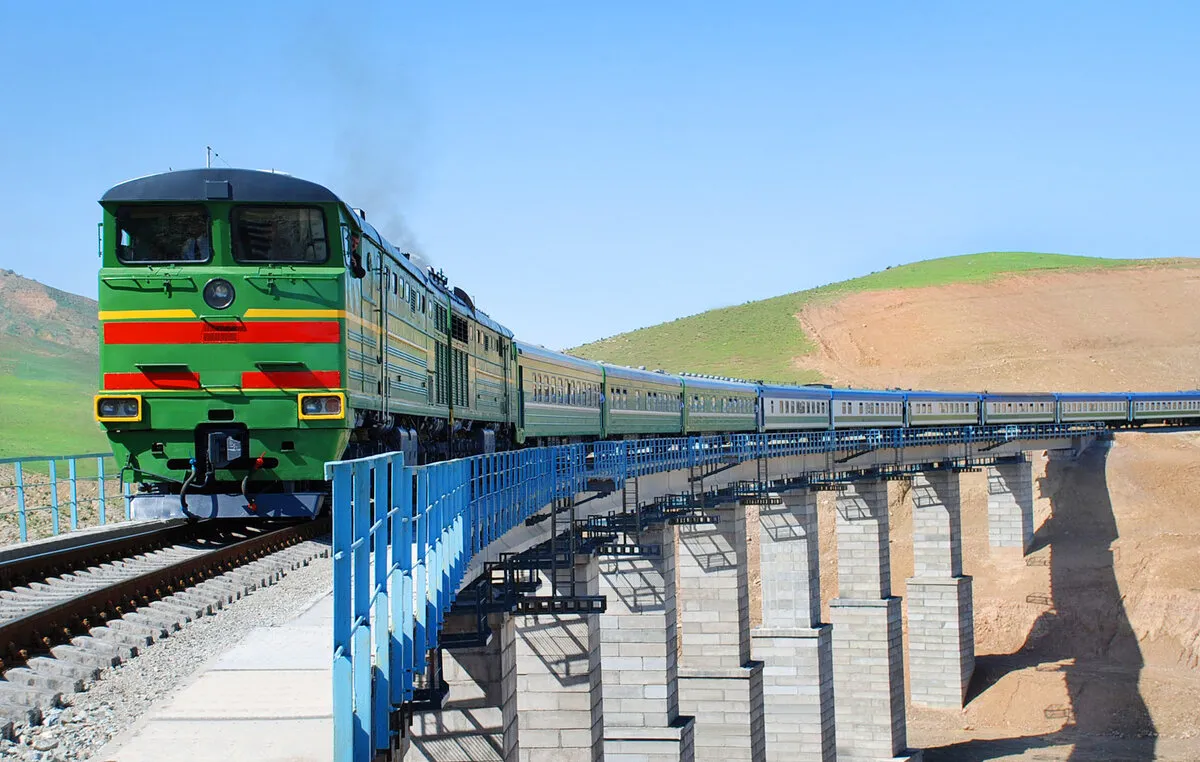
(403, 537)
(39, 495)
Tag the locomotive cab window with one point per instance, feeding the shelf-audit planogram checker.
(280, 234)
(152, 234)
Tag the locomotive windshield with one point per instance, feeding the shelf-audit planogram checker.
(152, 234)
(279, 234)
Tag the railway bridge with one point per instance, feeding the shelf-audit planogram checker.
(580, 601)
(592, 601)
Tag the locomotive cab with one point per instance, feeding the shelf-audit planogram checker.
(223, 336)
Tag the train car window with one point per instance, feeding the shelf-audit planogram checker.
(147, 234)
(280, 234)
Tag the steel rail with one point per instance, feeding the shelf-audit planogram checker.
(55, 561)
(24, 637)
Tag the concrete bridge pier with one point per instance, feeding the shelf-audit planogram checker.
(795, 647)
(639, 645)
(868, 658)
(718, 683)
(560, 716)
(941, 629)
(478, 721)
(1010, 504)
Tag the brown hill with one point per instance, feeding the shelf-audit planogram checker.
(1090, 650)
(49, 360)
(46, 333)
(1129, 329)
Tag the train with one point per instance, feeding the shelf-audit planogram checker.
(253, 326)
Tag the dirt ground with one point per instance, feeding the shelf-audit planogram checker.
(39, 503)
(1124, 330)
(1089, 648)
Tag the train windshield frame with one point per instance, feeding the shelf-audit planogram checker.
(273, 234)
(163, 234)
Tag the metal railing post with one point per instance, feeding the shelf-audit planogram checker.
(54, 496)
(381, 620)
(74, 495)
(101, 508)
(21, 523)
(343, 665)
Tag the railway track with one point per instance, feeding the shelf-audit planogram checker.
(68, 614)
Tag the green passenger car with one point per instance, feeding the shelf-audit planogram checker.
(942, 408)
(1093, 407)
(560, 396)
(638, 402)
(1002, 409)
(715, 405)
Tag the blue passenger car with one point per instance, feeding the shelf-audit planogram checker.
(792, 408)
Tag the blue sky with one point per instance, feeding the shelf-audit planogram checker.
(588, 168)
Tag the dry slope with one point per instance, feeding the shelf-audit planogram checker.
(1090, 650)
(1132, 329)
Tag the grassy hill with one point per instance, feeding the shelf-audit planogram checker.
(758, 340)
(48, 370)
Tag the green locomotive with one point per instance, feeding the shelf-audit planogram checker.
(255, 326)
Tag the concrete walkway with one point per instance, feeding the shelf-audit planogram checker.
(269, 699)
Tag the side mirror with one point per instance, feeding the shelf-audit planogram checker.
(354, 260)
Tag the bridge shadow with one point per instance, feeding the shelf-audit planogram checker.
(1084, 633)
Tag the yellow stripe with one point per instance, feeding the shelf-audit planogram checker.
(493, 375)
(360, 322)
(417, 347)
(141, 314)
(271, 313)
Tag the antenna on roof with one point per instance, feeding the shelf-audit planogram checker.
(209, 153)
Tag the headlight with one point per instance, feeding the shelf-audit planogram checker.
(218, 293)
(322, 406)
(126, 408)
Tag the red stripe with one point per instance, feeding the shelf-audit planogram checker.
(164, 379)
(292, 379)
(204, 332)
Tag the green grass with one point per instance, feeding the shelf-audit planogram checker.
(48, 370)
(759, 340)
(41, 417)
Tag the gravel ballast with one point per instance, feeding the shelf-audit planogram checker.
(124, 693)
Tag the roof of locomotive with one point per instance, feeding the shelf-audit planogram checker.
(223, 184)
(256, 186)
